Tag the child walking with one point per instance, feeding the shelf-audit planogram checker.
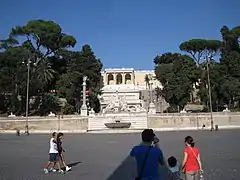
(61, 150)
(173, 168)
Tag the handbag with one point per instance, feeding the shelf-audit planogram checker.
(143, 165)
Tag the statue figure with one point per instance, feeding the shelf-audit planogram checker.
(12, 115)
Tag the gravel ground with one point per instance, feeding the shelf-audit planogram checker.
(105, 156)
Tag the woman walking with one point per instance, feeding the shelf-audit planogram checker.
(191, 165)
(61, 150)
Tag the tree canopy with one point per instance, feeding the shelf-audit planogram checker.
(177, 73)
(180, 76)
(56, 71)
(200, 48)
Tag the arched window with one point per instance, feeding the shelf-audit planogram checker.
(128, 78)
(119, 78)
(110, 78)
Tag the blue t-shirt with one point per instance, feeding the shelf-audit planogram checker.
(151, 168)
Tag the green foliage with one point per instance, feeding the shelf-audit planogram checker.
(199, 48)
(224, 75)
(68, 109)
(81, 63)
(44, 34)
(177, 73)
(49, 103)
(53, 67)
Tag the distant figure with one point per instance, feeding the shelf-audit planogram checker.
(148, 157)
(191, 165)
(173, 168)
(17, 132)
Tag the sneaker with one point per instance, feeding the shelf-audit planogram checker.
(52, 170)
(68, 168)
(61, 171)
(45, 170)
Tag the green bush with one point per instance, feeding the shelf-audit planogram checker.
(49, 103)
(68, 109)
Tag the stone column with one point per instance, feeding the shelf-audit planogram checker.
(133, 78)
(152, 107)
(115, 78)
(123, 78)
(84, 105)
(105, 79)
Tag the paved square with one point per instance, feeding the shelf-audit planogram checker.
(100, 156)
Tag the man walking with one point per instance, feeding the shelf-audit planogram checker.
(148, 157)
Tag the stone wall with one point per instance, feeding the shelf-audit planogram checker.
(193, 120)
(75, 123)
(45, 124)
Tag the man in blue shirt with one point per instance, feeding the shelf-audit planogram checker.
(153, 159)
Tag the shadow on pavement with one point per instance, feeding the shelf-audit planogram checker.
(74, 164)
(71, 165)
(127, 170)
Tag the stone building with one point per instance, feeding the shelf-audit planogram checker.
(130, 85)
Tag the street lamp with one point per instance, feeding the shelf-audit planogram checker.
(210, 94)
(27, 96)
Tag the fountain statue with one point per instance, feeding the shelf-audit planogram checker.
(12, 115)
(118, 105)
(51, 114)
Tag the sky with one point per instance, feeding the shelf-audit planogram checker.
(127, 33)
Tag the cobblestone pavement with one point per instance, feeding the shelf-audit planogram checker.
(104, 156)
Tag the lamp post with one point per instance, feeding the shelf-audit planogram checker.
(27, 96)
(210, 94)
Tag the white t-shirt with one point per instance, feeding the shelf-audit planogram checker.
(53, 146)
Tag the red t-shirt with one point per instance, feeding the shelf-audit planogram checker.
(191, 163)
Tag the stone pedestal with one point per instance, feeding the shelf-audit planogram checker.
(84, 111)
(152, 108)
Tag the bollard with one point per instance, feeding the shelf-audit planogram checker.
(216, 127)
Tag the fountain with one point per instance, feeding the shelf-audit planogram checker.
(118, 115)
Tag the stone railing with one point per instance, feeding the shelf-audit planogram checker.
(76, 123)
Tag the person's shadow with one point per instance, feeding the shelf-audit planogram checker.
(71, 165)
(127, 170)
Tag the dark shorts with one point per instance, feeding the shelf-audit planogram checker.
(53, 157)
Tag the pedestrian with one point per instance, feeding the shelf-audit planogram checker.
(53, 155)
(173, 168)
(191, 165)
(61, 150)
(148, 157)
